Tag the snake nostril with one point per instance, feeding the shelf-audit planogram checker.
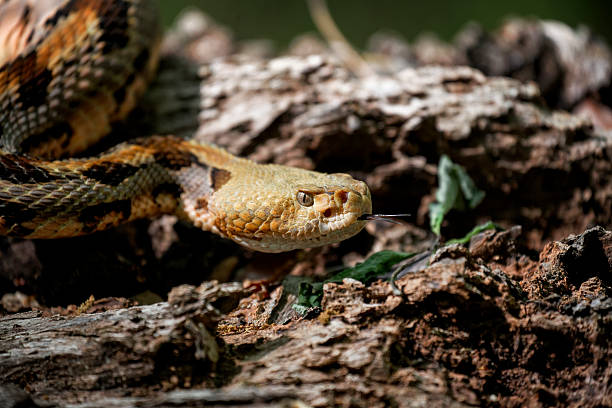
(343, 195)
(327, 213)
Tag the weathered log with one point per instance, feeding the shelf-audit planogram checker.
(487, 325)
(462, 331)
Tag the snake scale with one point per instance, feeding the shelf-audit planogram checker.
(69, 70)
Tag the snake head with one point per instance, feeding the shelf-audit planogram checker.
(272, 208)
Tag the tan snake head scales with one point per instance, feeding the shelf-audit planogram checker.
(66, 75)
(269, 216)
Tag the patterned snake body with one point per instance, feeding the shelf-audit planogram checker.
(69, 69)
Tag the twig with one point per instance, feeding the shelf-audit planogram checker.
(337, 42)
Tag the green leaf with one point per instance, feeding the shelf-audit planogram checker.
(471, 193)
(310, 294)
(370, 269)
(476, 230)
(456, 190)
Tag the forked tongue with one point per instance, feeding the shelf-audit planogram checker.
(392, 218)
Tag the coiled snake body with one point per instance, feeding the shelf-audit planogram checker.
(69, 69)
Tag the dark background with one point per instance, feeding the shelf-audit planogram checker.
(282, 20)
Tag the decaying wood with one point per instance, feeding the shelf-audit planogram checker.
(461, 332)
(490, 324)
(569, 65)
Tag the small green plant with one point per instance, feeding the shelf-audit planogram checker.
(310, 294)
(456, 191)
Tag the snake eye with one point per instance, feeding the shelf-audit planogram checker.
(304, 199)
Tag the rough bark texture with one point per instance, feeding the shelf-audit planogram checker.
(490, 324)
(464, 330)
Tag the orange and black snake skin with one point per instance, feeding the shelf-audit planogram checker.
(69, 70)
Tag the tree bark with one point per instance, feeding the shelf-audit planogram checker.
(461, 331)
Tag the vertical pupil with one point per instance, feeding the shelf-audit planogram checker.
(304, 199)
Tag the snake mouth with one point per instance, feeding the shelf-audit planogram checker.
(347, 218)
(337, 223)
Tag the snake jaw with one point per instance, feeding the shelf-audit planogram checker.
(340, 208)
(336, 223)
